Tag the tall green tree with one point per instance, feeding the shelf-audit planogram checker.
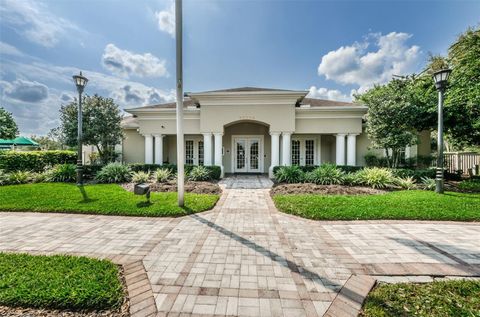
(462, 98)
(101, 125)
(392, 117)
(8, 126)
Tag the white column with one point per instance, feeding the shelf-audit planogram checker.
(148, 149)
(340, 157)
(158, 149)
(207, 149)
(286, 152)
(218, 150)
(351, 149)
(275, 144)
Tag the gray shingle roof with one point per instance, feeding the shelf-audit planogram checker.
(188, 102)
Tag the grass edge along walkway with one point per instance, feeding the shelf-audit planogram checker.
(438, 298)
(398, 205)
(101, 199)
(59, 282)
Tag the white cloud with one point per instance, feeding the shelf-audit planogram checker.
(35, 21)
(8, 49)
(355, 65)
(126, 63)
(26, 91)
(166, 19)
(329, 94)
(101, 83)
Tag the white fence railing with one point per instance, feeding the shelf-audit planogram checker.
(455, 161)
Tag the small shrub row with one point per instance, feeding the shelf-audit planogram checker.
(470, 185)
(58, 173)
(34, 161)
(121, 173)
(329, 174)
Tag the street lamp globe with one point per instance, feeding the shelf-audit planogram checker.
(80, 81)
(441, 77)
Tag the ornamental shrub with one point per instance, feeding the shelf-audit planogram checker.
(114, 173)
(407, 183)
(140, 177)
(470, 185)
(376, 177)
(326, 174)
(3, 178)
(428, 183)
(199, 173)
(62, 173)
(162, 175)
(19, 177)
(289, 174)
(36, 161)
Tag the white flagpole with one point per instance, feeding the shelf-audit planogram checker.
(180, 146)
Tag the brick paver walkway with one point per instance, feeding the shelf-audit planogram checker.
(244, 258)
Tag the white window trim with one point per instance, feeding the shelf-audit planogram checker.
(316, 148)
(195, 140)
(261, 153)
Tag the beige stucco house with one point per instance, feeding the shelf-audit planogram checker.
(250, 130)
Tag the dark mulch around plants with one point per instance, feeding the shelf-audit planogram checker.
(308, 188)
(190, 187)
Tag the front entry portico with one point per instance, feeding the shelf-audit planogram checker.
(247, 154)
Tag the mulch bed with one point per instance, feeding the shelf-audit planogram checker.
(308, 188)
(190, 187)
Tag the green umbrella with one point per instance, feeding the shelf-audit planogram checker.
(20, 141)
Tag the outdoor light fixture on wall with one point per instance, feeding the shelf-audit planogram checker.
(440, 78)
(80, 81)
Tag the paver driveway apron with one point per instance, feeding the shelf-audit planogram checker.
(244, 258)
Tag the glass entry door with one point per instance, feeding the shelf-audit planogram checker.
(248, 155)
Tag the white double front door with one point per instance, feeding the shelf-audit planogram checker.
(248, 154)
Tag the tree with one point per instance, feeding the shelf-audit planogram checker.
(462, 98)
(392, 117)
(52, 141)
(8, 127)
(101, 125)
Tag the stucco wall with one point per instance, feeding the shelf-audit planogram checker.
(278, 117)
(133, 147)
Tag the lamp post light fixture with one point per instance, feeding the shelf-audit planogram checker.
(80, 81)
(441, 78)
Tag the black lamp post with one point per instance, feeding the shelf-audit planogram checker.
(440, 78)
(80, 81)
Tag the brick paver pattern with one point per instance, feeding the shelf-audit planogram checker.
(244, 258)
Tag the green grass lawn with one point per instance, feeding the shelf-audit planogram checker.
(59, 282)
(442, 299)
(414, 204)
(106, 199)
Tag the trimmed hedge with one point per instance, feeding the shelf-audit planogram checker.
(36, 161)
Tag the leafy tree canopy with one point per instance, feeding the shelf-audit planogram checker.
(101, 124)
(392, 117)
(462, 97)
(8, 127)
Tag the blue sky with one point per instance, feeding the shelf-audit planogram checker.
(127, 48)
